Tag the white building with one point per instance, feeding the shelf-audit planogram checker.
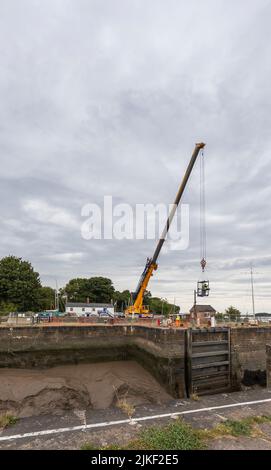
(87, 310)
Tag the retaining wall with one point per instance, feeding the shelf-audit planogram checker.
(248, 355)
(160, 350)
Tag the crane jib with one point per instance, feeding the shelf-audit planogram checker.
(151, 263)
(198, 147)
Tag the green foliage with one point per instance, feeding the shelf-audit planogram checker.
(219, 316)
(233, 313)
(77, 290)
(243, 427)
(156, 305)
(88, 446)
(7, 307)
(121, 300)
(175, 436)
(181, 436)
(111, 447)
(21, 290)
(46, 298)
(147, 297)
(96, 289)
(19, 283)
(259, 419)
(162, 306)
(7, 420)
(238, 428)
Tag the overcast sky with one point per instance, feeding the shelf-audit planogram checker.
(104, 97)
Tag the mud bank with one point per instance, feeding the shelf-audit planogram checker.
(30, 392)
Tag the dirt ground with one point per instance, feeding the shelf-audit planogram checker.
(32, 392)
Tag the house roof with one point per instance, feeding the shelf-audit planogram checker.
(87, 305)
(203, 308)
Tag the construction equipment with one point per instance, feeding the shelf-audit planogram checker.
(151, 265)
(203, 288)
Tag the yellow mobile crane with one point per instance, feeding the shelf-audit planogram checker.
(151, 264)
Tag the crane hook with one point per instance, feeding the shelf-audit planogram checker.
(203, 264)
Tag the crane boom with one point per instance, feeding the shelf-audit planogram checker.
(151, 264)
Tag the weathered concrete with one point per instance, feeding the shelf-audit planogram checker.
(159, 350)
(248, 354)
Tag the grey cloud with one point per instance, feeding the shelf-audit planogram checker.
(103, 98)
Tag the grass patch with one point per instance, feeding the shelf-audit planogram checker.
(194, 397)
(244, 427)
(247, 427)
(126, 407)
(88, 446)
(181, 436)
(259, 419)
(7, 420)
(112, 447)
(174, 436)
(238, 428)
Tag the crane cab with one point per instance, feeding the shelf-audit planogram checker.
(203, 289)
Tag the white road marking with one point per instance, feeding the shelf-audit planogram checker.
(127, 421)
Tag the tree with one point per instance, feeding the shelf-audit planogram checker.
(46, 298)
(77, 290)
(219, 316)
(19, 283)
(121, 299)
(162, 306)
(101, 289)
(147, 297)
(233, 313)
(7, 307)
(94, 289)
(155, 304)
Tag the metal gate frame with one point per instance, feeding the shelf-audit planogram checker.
(208, 363)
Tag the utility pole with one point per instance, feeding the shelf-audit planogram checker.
(252, 291)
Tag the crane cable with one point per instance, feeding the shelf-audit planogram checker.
(202, 214)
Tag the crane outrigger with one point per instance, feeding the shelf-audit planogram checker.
(151, 265)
